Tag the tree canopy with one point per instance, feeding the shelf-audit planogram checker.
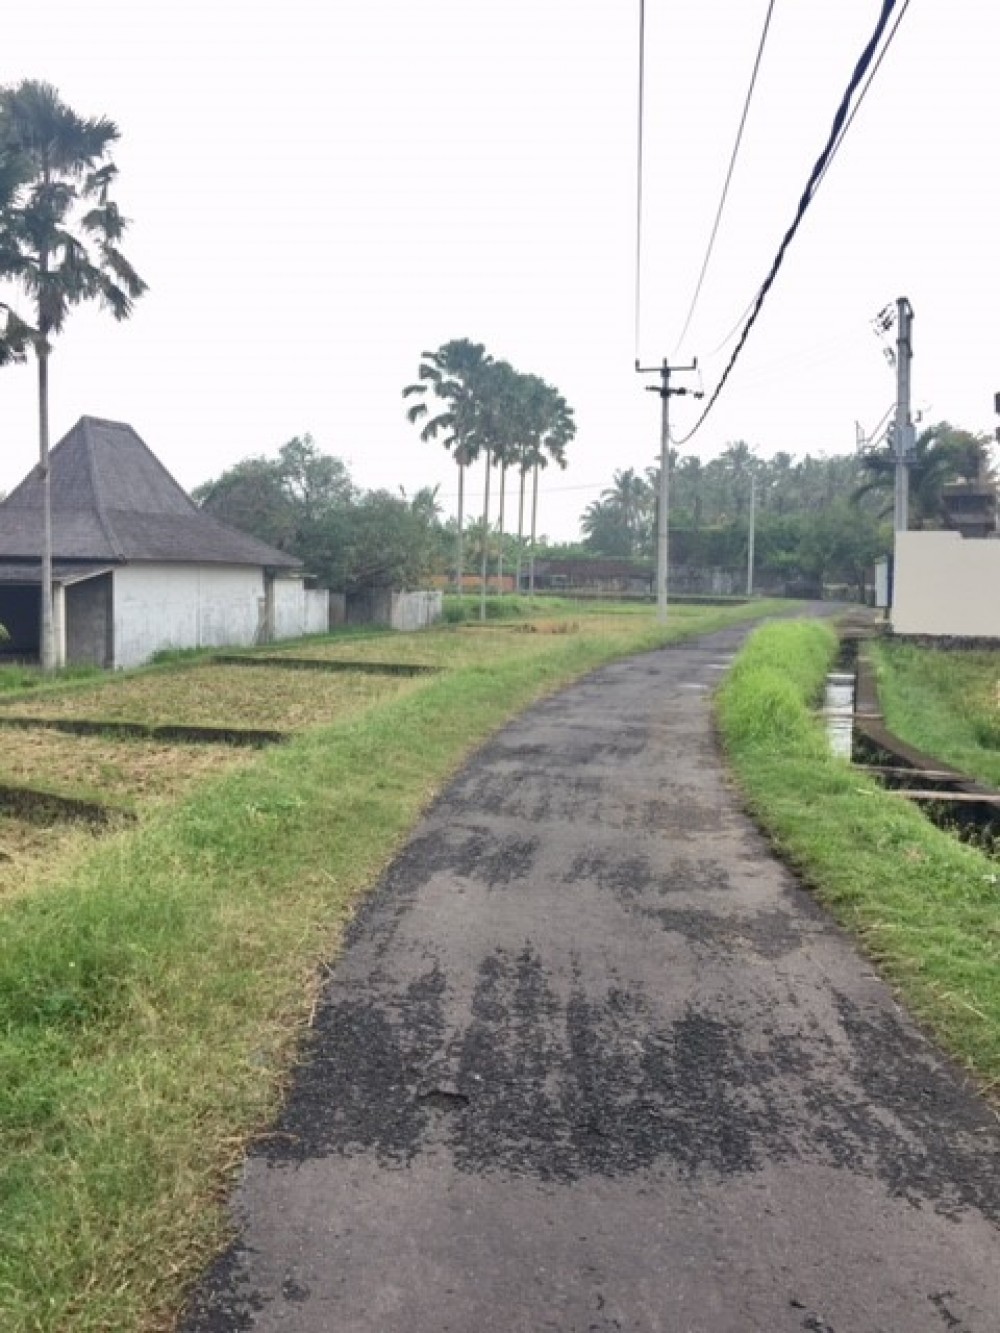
(304, 502)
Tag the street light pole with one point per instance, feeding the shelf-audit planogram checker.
(664, 370)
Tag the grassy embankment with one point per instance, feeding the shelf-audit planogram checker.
(153, 988)
(926, 907)
(945, 702)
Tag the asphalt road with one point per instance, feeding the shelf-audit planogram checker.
(593, 1061)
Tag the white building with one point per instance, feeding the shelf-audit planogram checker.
(137, 566)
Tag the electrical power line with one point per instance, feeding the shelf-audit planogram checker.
(841, 121)
(836, 148)
(864, 91)
(638, 173)
(729, 177)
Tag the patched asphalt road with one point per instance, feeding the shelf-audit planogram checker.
(592, 1061)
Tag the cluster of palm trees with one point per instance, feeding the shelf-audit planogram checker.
(59, 234)
(477, 407)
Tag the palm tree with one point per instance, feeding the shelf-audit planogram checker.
(941, 454)
(453, 375)
(557, 429)
(533, 395)
(59, 234)
(506, 411)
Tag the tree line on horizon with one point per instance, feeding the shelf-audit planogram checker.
(816, 518)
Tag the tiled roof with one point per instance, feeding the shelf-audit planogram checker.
(112, 499)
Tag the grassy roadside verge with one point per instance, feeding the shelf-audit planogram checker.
(151, 998)
(925, 907)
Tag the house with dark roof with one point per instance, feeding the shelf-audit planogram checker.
(137, 566)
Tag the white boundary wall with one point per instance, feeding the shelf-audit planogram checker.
(317, 611)
(416, 610)
(946, 585)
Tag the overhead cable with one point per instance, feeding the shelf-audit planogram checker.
(864, 91)
(638, 173)
(738, 324)
(822, 162)
(729, 177)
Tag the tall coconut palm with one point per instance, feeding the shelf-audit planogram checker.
(556, 429)
(453, 375)
(59, 237)
(505, 413)
(533, 397)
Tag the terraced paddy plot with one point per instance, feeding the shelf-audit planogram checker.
(119, 772)
(249, 697)
(26, 846)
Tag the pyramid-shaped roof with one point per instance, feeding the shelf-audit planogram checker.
(113, 500)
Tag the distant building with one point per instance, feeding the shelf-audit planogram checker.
(137, 566)
(970, 507)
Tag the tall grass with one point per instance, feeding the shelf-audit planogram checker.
(945, 702)
(926, 907)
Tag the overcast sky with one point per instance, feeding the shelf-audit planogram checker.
(319, 190)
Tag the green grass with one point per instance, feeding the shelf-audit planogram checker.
(18, 679)
(926, 907)
(152, 997)
(945, 702)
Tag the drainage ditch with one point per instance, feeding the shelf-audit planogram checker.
(951, 800)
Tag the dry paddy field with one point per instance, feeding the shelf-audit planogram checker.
(252, 697)
(129, 775)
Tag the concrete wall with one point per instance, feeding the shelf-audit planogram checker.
(945, 585)
(88, 622)
(183, 606)
(398, 610)
(289, 609)
(416, 610)
(337, 608)
(317, 611)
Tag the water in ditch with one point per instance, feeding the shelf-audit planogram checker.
(838, 711)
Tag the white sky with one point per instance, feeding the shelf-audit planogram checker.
(321, 189)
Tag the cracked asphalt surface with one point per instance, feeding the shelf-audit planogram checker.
(592, 1061)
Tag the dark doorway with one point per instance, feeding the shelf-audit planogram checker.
(21, 616)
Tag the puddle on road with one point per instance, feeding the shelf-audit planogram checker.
(838, 711)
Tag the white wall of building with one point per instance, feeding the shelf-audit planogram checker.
(946, 585)
(183, 606)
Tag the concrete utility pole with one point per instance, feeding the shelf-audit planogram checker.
(750, 535)
(903, 439)
(662, 527)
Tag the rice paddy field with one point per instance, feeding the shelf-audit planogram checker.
(284, 690)
(944, 701)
